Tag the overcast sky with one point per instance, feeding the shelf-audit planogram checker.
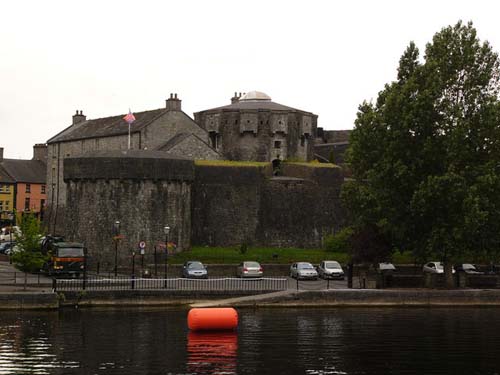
(103, 57)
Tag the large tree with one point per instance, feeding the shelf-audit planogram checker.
(426, 156)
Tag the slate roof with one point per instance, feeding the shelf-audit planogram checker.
(255, 105)
(30, 171)
(4, 177)
(107, 126)
(175, 140)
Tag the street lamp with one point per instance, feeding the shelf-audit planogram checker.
(116, 233)
(166, 230)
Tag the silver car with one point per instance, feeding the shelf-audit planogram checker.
(249, 269)
(303, 271)
(194, 270)
(330, 269)
(434, 267)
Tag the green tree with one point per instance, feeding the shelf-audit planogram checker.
(425, 156)
(28, 258)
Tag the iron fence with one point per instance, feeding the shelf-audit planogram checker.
(180, 284)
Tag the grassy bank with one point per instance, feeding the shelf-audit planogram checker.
(233, 255)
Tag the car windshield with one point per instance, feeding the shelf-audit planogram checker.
(70, 252)
(252, 264)
(196, 266)
(467, 266)
(305, 266)
(439, 266)
(332, 265)
(386, 266)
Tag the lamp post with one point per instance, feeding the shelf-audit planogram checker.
(166, 230)
(116, 233)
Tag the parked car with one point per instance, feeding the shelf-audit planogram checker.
(386, 267)
(330, 269)
(6, 246)
(468, 268)
(249, 269)
(303, 270)
(434, 267)
(8, 233)
(194, 269)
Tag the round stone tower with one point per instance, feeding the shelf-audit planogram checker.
(143, 190)
(255, 128)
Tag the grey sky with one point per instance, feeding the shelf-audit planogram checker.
(103, 57)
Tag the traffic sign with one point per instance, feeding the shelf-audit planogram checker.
(142, 245)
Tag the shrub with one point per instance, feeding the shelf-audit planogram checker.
(339, 242)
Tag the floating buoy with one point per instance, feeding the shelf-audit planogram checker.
(210, 319)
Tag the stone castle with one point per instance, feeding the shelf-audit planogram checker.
(235, 174)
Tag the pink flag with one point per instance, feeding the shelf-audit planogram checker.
(129, 118)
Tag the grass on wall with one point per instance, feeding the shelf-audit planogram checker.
(233, 255)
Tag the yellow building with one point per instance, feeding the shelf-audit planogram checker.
(7, 198)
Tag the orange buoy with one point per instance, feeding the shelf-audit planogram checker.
(216, 318)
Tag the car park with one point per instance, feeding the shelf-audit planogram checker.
(194, 269)
(249, 269)
(303, 271)
(468, 268)
(434, 267)
(330, 269)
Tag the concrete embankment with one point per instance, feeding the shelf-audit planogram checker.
(28, 301)
(289, 298)
(364, 298)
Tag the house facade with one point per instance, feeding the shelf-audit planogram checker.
(23, 185)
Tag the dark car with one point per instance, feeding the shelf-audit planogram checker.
(5, 247)
(468, 268)
(194, 269)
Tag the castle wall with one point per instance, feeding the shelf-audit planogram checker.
(144, 194)
(234, 205)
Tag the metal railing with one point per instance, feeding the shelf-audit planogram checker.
(180, 284)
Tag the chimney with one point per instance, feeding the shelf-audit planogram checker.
(78, 117)
(173, 103)
(40, 152)
(1, 154)
(236, 98)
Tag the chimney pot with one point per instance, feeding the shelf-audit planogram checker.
(175, 96)
(78, 117)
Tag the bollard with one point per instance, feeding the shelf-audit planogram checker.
(25, 280)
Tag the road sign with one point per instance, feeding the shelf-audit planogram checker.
(142, 245)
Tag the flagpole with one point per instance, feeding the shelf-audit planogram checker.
(129, 135)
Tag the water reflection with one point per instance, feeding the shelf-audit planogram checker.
(212, 352)
(22, 353)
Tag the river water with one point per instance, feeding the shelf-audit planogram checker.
(268, 341)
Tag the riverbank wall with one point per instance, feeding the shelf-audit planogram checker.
(289, 298)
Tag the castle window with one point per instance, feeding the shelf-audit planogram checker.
(279, 122)
(213, 139)
(262, 122)
(277, 144)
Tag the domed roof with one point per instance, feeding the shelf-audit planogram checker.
(255, 95)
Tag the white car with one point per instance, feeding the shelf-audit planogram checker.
(330, 269)
(303, 270)
(434, 267)
(7, 234)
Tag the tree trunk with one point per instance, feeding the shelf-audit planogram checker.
(448, 275)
